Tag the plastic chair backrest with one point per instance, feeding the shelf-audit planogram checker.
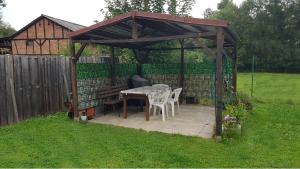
(177, 93)
(165, 96)
(151, 98)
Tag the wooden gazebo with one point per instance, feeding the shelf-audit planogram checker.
(138, 30)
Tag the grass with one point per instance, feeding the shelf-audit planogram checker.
(268, 87)
(271, 138)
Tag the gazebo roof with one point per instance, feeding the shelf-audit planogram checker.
(137, 29)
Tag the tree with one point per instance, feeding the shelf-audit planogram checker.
(267, 29)
(6, 30)
(2, 5)
(173, 7)
(208, 12)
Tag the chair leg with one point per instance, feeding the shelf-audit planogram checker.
(163, 113)
(177, 104)
(166, 110)
(154, 110)
(173, 110)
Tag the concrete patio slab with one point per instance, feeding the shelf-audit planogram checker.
(190, 120)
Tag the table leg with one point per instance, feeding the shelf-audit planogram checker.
(147, 109)
(125, 109)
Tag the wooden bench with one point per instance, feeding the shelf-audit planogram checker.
(111, 94)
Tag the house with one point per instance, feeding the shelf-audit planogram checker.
(45, 35)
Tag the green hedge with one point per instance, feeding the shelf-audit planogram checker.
(189, 68)
(95, 70)
(92, 70)
(126, 69)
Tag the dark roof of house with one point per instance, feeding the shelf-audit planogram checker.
(69, 25)
(117, 31)
(66, 24)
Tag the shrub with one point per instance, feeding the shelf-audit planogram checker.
(235, 112)
(233, 116)
(243, 98)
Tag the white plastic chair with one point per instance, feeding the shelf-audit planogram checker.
(151, 100)
(161, 102)
(161, 85)
(172, 100)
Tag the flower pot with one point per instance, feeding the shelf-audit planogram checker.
(236, 130)
(83, 118)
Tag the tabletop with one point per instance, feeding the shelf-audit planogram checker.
(145, 90)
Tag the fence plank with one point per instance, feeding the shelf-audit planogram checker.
(26, 87)
(18, 85)
(41, 65)
(9, 104)
(46, 86)
(35, 102)
(3, 109)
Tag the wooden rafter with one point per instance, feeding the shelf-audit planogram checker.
(151, 39)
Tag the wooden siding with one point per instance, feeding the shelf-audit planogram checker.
(48, 39)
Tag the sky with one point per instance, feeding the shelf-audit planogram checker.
(18, 13)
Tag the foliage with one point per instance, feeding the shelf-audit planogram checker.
(233, 117)
(268, 29)
(236, 113)
(245, 99)
(174, 7)
(90, 50)
(271, 138)
(6, 30)
(2, 5)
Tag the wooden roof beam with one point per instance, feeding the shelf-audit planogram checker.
(152, 39)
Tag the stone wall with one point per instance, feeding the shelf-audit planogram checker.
(198, 78)
(92, 77)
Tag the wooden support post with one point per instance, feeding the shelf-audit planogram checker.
(134, 31)
(80, 50)
(234, 73)
(219, 83)
(135, 35)
(73, 62)
(113, 67)
(181, 75)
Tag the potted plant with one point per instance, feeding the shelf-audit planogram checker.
(83, 117)
(233, 118)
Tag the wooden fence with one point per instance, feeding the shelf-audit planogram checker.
(34, 85)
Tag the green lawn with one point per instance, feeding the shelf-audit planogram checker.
(278, 88)
(271, 138)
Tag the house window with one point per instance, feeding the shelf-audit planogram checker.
(29, 42)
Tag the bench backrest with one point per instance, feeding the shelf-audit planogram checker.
(110, 91)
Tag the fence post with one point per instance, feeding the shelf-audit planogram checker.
(181, 76)
(252, 76)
